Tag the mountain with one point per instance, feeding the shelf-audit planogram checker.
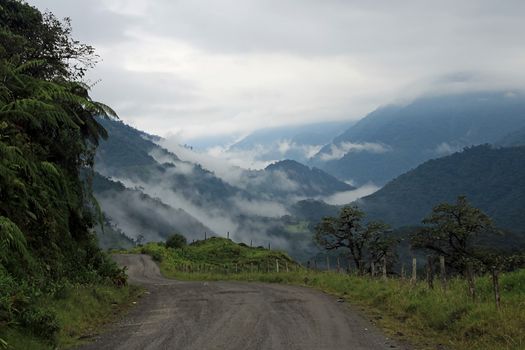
(395, 139)
(516, 138)
(147, 191)
(492, 178)
(298, 143)
(312, 181)
(141, 217)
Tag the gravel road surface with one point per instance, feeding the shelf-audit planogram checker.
(234, 315)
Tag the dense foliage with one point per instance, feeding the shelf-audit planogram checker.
(492, 178)
(365, 244)
(48, 134)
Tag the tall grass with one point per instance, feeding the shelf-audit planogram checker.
(80, 310)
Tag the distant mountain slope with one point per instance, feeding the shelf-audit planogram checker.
(394, 139)
(493, 179)
(159, 193)
(139, 215)
(516, 138)
(312, 181)
(299, 142)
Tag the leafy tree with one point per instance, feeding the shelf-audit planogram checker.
(48, 135)
(176, 240)
(363, 242)
(451, 230)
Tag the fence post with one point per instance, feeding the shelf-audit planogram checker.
(384, 268)
(286, 264)
(204, 235)
(414, 270)
(442, 271)
(373, 268)
(277, 265)
(430, 272)
(228, 235)
(495, 284)
(403, 271)
(470, 281)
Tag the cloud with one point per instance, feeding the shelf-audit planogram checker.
(444, 149)
(347, 197)
(228, 67)
(338, 151)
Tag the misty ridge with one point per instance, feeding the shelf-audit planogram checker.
(256, 189)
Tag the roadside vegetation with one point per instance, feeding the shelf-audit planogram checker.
(54, 280)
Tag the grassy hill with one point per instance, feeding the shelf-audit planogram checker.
(215, 255)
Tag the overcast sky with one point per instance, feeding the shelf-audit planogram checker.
(196, 68)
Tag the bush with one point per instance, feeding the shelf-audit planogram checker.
(176, 240)
(40, 322)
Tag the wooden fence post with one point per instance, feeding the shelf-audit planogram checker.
(495, 284)
(286, 264)
(414, 270)
(442, 271)
(277, 265)
(430, 272)
(470, 281)
(384, 268)
(373, 269)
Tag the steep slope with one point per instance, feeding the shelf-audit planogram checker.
(516, 138)
(493, 179)
(394, 139)
(299, 142)
(311, 181)
(141, 217)
(250, 205)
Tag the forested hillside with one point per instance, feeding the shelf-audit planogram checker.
(493, 179)
(394, 139)
(48, 134)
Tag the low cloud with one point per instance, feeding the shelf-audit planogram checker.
(444, 149)
(339, 151)
(347, 197)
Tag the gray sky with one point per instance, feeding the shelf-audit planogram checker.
(194, 68)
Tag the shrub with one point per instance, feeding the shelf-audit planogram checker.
(176, 240)
(40, 322)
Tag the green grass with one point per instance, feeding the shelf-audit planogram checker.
(215, 255)
(425, 317)
(81, 311)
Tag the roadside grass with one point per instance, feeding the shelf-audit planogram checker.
(81, 311)
(427, 318)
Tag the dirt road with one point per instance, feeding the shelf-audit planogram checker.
(231, 315)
